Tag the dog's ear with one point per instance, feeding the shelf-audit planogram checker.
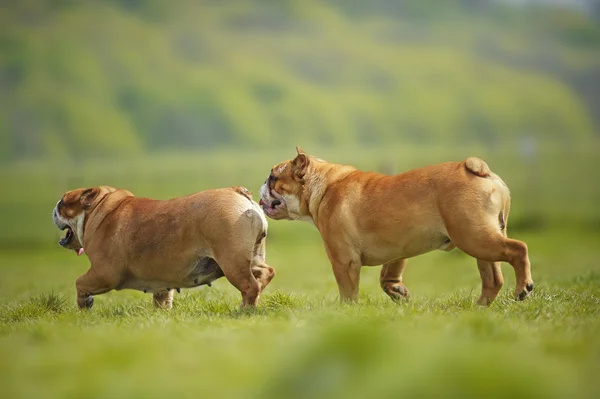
(300, 164)
(87, 196)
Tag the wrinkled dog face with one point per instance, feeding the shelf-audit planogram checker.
(282, 191)
(69, 215)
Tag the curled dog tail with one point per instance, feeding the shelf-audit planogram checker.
(477, 166)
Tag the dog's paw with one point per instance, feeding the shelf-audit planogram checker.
(396, 291)
(523, 294)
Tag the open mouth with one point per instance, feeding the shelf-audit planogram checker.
(67, 238)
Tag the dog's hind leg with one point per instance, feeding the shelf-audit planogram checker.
(261, 271)
(491, 281)
(486, 243)
(163, 299)
(491, 272)
(480, 231)
(391, 280)
(237, 270)
(263, 274)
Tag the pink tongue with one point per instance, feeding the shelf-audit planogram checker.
(80, 252)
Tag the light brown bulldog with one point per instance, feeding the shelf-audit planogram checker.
(162, 246)
(367, 218)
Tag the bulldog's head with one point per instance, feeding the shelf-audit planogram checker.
(70, 212)
(282, 193)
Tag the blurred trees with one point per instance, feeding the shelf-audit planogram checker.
(124, 76)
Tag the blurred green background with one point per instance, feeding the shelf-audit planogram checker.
(170, 98)
(123, 77)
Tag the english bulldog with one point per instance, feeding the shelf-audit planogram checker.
(368, 219)
(162, 246)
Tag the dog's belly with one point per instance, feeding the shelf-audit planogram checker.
(377, 252)
(203, 271)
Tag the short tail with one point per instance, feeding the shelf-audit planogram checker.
(243, 191)
(477, 166)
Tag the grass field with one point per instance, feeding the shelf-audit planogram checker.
(299, 342)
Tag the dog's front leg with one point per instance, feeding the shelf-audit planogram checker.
(346, 270)
(347, 276)
(91, 283)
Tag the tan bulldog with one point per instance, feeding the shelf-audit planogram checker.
(367, 218)
(162, 246)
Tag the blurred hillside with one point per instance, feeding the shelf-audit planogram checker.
(81, 78)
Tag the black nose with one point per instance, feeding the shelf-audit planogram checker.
(275, 203)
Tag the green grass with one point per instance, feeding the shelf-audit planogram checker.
(300, 342)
